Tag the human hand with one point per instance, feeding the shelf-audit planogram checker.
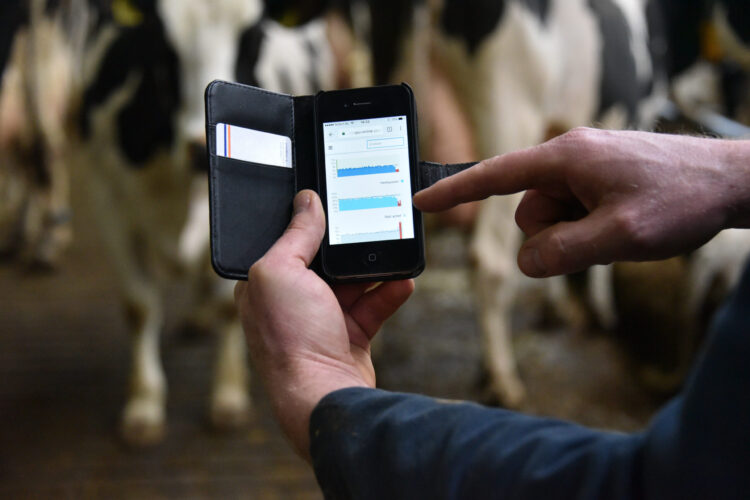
(306, 339)
(596, 196)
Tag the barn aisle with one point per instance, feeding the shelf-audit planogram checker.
(64, 359)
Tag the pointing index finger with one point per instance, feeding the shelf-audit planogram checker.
(504, 174)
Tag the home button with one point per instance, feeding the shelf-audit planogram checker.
(372, 257)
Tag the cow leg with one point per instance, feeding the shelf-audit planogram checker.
(230, 403)
(47, 222)
(601, 296)
(213, 309)
(143, 418)
(512, 123)
(496, 282)
(48, 70)
(56, 232)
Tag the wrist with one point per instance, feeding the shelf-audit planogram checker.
(297, 392)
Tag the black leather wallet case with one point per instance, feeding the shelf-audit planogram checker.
(251, 203)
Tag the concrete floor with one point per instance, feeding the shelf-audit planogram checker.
(64, 362)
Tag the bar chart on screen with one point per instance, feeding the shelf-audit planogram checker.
(368, 203)
(354, 167)
(368, 181)
(395, 234)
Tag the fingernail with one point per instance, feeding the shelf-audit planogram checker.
(301, 202)
(531, 263)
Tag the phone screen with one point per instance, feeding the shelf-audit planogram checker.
(368, 180)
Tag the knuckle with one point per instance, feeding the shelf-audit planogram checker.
(486, 166)
(296, 226)
(523, 218)
(577, 139)
(579, 134)
(574, 144)
(556, 255)
(303, 226)
(629, 224)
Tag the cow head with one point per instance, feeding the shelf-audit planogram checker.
(148, 65)
(205, 36)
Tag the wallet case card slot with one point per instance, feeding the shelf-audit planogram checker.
(251, 208)
(250, 203)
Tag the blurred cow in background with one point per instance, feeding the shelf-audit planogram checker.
(547, 66)
(664, 307)
(524, 71)
(709, 59)
(143, 141)
(39, 47)
(527, 71)
(491, 77)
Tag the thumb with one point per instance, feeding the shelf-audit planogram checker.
(569, 247)
(302, 238)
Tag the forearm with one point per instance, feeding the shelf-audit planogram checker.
(374, 444)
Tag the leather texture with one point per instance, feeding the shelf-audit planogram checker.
(430, 172)
(251, 203)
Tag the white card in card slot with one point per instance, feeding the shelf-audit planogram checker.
(253, 145)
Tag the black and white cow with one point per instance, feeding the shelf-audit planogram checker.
(524, 70)
(142, 127)
(520, 70)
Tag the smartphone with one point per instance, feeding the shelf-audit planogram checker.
(366, 141)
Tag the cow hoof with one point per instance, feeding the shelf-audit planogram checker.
(230, 409)
(508, 394)
(54, 240)
(661, 381)
(143, 424)
(46, 257)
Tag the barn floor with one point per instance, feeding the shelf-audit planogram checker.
(64, 363)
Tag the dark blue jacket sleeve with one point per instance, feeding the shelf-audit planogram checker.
(367, 443)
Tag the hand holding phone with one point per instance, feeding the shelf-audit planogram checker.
(356, 148)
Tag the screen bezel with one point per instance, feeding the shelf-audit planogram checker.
(392, 257)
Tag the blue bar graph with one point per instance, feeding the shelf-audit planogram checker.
(347, 204)
(367, 170)
(365, 237)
